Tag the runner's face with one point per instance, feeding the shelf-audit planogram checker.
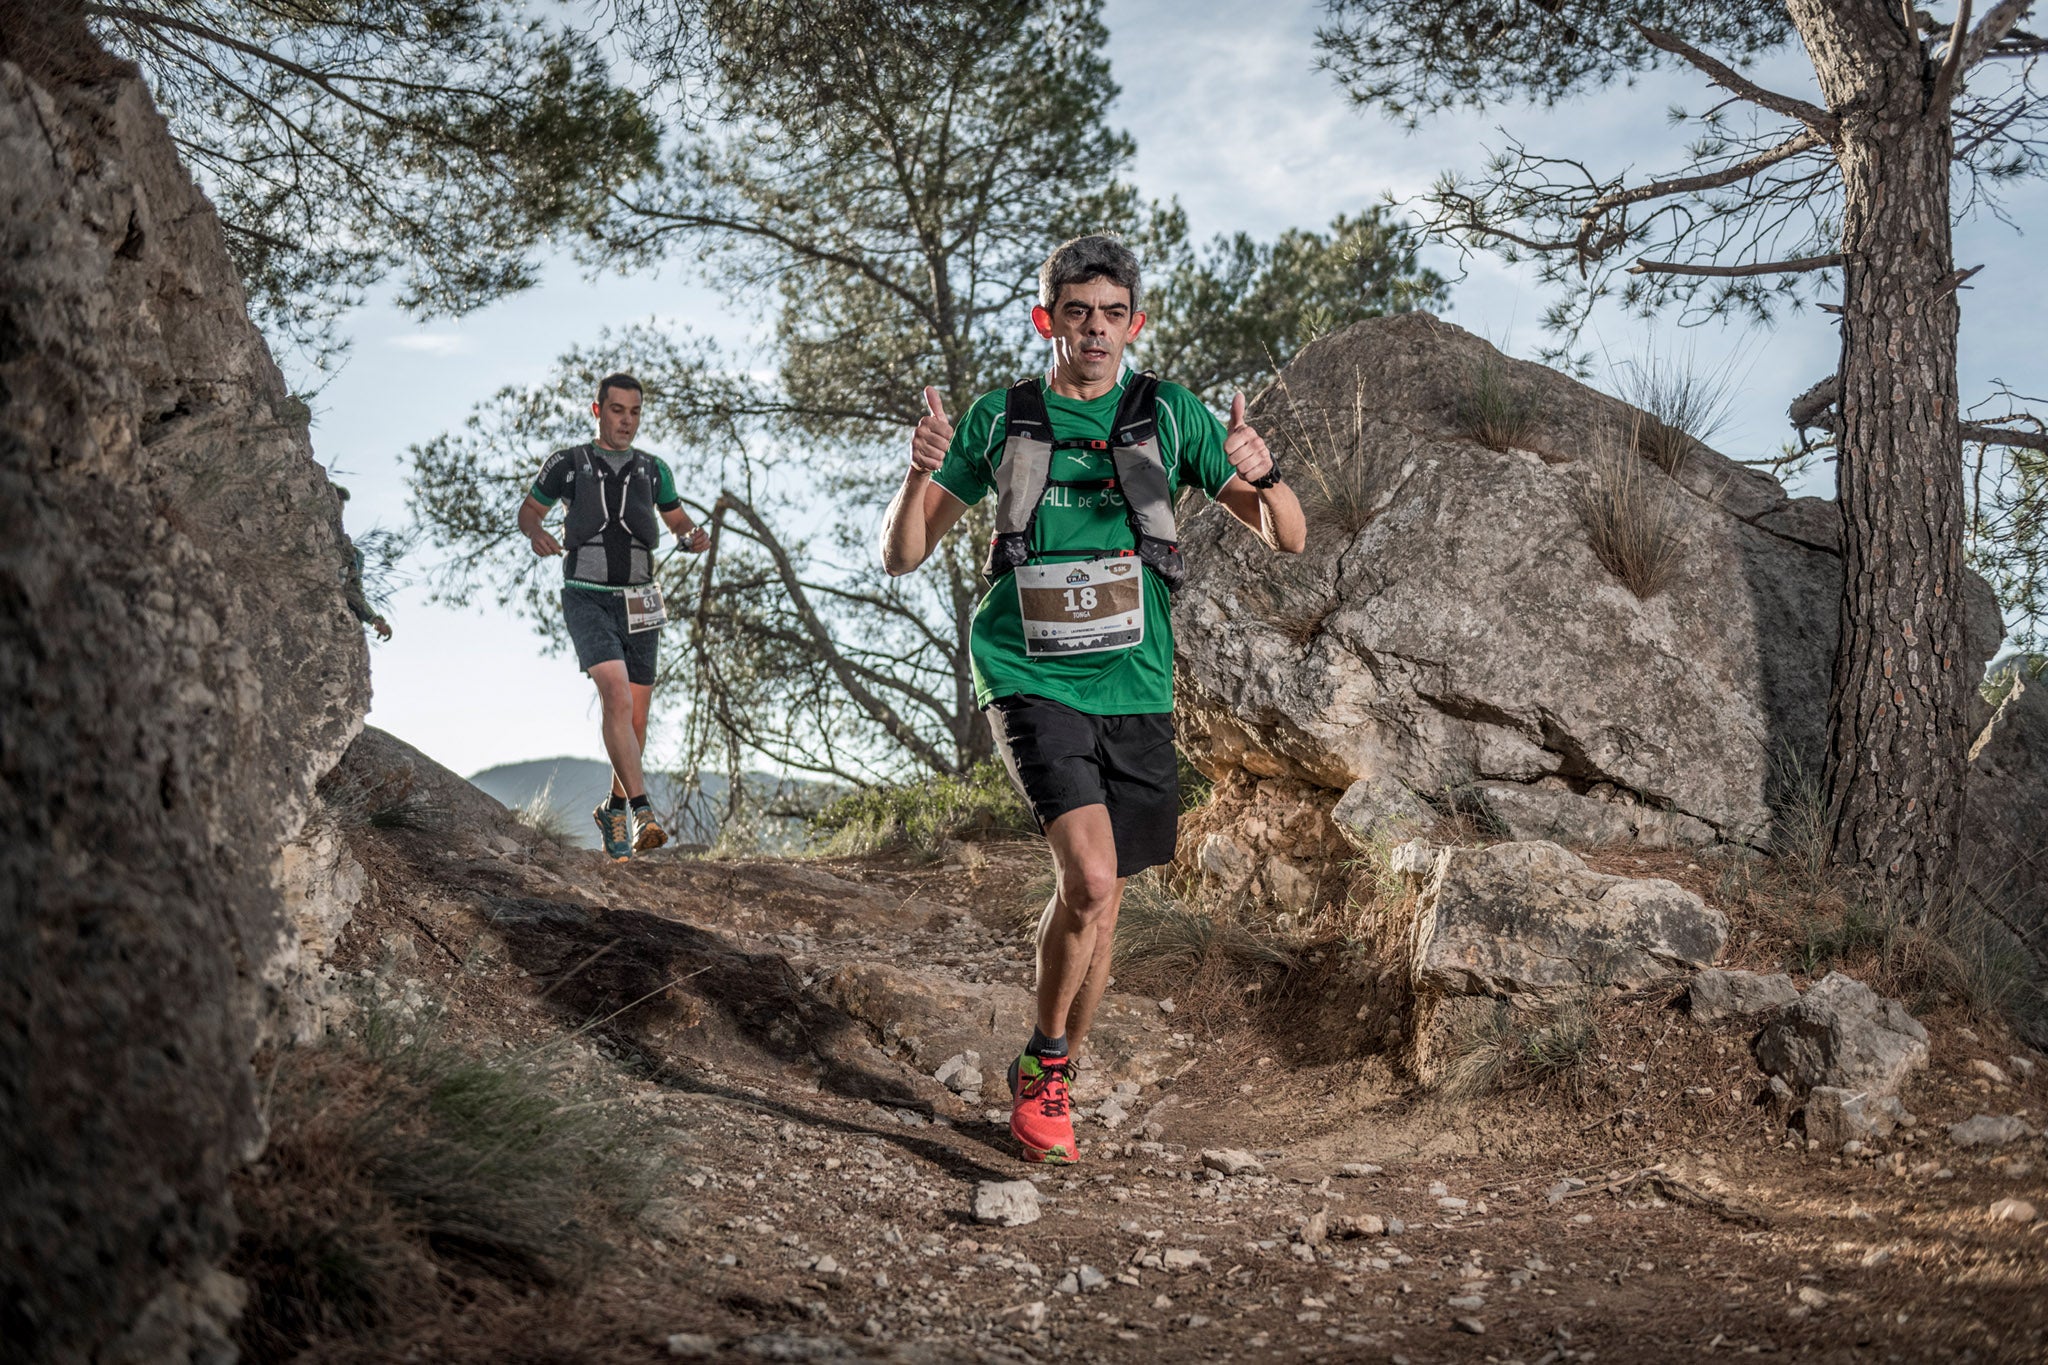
(618, 418)
(1089, 325)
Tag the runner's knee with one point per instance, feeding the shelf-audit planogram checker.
(1090, 892)
(614, 693)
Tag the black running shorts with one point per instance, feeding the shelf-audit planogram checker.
(1063, 759)
(597, 627)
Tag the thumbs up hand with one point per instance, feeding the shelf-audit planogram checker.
(933, 434)
(1243, 446)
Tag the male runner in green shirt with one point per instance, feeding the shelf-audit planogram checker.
(614, 494)
(1072, 645)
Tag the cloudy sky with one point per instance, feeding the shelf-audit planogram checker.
(1230, 116)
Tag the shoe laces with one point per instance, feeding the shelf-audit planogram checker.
(1049, 1090)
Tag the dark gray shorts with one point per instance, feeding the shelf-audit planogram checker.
(1062, 759)
(597, 627)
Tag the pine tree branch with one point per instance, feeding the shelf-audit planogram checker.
(1944, 82)
(1731, 271)
(2002, 436)
(1688, 184)
(1725, 76)
(1992, 30)
(821, 640)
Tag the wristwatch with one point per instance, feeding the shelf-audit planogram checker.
(1267, 479)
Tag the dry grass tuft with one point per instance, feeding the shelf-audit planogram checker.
(1207, 959)
(1634, 523)
(1344, 472)
(541, 815)
(397, 1164)
(1507, 1049)
(1494, 410)
(1681, 407)
(1966, 952)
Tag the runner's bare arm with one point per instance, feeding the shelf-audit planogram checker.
(689, 534)
(922, 512)
(531, 512)
(1274, 514)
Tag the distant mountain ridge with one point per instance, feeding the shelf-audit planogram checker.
(574, 786)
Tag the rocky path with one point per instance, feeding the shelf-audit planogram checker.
(781, 1029)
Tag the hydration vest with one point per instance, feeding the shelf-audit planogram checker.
(1026, 474)
(614, 512)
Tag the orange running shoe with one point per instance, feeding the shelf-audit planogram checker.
(1038, 1109)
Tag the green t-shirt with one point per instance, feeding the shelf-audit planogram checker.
(1076, 524)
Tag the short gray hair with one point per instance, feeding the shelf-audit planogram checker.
(1098, 256)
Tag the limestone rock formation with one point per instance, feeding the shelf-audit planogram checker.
(1531, 919)
(178, 670)
(1841, 1033)
(1716, 995)
(1451, 636)
(380, 779)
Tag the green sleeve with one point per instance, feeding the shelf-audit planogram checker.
(665, 496)
(554, 478)
(1198, 437)
(969, 469)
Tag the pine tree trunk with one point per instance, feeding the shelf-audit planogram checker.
(1897, 713)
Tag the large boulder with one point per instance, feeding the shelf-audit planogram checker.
(179, 669)
(1843, 1034)
(1532, 920)
(1451, 636)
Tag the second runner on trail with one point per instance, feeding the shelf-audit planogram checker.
(1072, 644)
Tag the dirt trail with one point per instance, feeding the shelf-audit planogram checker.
(819, 1183)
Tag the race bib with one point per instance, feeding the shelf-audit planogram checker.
(644, 610)
(1085, 607)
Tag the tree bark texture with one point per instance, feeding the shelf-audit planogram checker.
(1897, 711)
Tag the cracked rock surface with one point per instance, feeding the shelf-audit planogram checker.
(1450, 623)
(179, 669)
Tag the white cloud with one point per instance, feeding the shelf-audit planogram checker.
(432, 343)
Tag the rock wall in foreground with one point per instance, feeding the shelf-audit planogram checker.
(178, 669)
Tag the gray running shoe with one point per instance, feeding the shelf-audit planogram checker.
(617, 828)
(647, 832)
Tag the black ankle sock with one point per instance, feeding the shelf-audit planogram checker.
(616, 803)
(638, 802)
(1041, 1046)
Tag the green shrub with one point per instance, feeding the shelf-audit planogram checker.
(919, 816)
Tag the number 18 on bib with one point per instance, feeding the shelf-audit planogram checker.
(1085, 607)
